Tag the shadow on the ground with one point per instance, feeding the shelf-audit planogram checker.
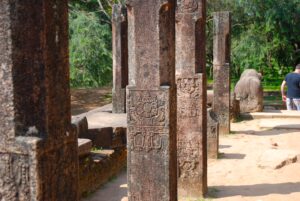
(269, 132)
(256, 190)
(221, 146)
(231, 156)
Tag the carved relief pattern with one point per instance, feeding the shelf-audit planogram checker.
(212, 131)
(189, 98)
(188, 6)
(188, 157)
(147, 108)
(148, 138)
(14, 177)
(147, 118)
(188, 87)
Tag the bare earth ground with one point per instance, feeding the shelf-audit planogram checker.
(236, 176)
(239, 174)
(84, 100)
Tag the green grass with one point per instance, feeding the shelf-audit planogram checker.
(268, 84)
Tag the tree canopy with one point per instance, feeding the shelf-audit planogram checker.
(265, 36)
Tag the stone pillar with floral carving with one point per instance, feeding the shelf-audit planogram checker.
(191, 97)
(151, 101)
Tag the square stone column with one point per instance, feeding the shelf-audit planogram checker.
(191, 97)
(221, 70)
(212, 135)
(151, 99)
(120, 58)
(38, 146)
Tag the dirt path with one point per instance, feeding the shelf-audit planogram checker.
(242, 173)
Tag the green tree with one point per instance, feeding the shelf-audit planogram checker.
(265, 34)
(90, 50)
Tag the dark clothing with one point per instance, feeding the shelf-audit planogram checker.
(293, 85)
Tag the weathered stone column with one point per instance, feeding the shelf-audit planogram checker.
(38, 147)
(191, 97)
(221, 73)
(152, 165)
(212, 135)
(120, 58)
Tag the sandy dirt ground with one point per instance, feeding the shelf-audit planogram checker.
(244, 171)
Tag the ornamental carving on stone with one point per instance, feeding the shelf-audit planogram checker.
(188, 6)
(188, 158)
(146, 139)
(147, 108)
(188, 87)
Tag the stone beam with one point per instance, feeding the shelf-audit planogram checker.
(38, 146)
(191, 97)
(221, 70)
(151, 99)
(120, 58)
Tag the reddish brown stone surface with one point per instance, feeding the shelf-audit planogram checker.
(120, 58)
(38, 146)
(221, 62)
(151, 115)
(212, 134)
(191, 97)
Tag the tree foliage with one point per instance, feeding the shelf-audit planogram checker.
(90, 50)
(265, 34)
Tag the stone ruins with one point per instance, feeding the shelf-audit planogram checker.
(170, 132)
(151, 102)
(221, 70)
(212, 134)
(38, 146)
(191, 98)
(249, 91)
(120, 58)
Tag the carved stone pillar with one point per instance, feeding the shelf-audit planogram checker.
(38, 147)
(151, 99)
(120, 58)
(191, 97)
(221, 70)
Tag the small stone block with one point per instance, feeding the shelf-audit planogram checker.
(84, 146)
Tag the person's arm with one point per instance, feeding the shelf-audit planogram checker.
(282, 91)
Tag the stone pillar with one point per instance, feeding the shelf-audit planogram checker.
(120, 58)
(151, 115)
(191, 97)
(212, 135)
(38, 146)
(221, 70)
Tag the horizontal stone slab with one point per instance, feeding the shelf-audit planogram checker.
(280, 123)
(103, 117)
(271, 114)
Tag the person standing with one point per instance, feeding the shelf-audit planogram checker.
(292, 81)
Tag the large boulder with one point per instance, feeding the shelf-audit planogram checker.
(249, 91)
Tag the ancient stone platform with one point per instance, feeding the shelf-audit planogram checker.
(287, 123)
(102, 152)
(272, 114)
(103, 117)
